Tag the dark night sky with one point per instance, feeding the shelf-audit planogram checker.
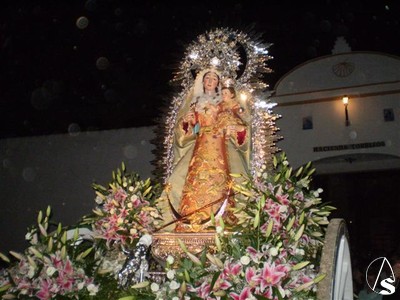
(52, 80)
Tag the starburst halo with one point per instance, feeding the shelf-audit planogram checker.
(236, 54)
(240, 58)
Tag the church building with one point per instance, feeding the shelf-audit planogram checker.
(342, 112)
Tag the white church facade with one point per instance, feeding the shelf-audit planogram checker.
(342, 113)
(317, 126)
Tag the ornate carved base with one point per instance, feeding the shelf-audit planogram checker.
(166, 243)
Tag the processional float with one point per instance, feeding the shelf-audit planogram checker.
(217, 162)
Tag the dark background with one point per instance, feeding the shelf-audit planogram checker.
(57, 76)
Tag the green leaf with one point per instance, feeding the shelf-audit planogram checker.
(98, 212)
(35, 252)
(220, 293)
(86, 252)
(40, 217)
(323, 222)
(247, 193)
(299, 233)
(288, 173)
(76, 234)
(48, 211)
(319, 278)
(277, 293)
(183, 288)
(299, 171)
(310, 172)
(9, 296)
(301, 219)
(63, 252)
(222, 224)
(256, 220)
(187, 276)
(5, 288)
(127, 298)
(147, 191)
(140, 285)
(304, 286)
(17, 255)
(269, 228)
(50, 244)
(262, 201)
(277, 177)
(42, 230)
(218, 243)
(290, 223)
(31, 262)
(328, 207)
(300, 265)
(4, 257)
(323, 213)
(212, 218)
(99, 187)
(235, 175)
(316, 234)
(64, 237)
(214, 279)
(215, 260)
(183, 246)
(194, 258)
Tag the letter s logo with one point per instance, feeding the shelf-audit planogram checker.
(386, 283)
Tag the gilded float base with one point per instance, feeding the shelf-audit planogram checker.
(167, 243)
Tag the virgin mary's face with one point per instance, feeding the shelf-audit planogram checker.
(210, 81)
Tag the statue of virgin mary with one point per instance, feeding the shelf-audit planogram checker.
(210, 131)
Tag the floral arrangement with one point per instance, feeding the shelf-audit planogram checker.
(82, 261)
(126, 209)
(272, 251)
(53, 265)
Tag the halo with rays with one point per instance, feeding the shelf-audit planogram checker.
(234, 53)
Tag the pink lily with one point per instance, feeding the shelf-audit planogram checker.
(231, 270)
(245, 294)
(120, 195)
(204, 290)
(44, 292)
(270, 276)
(252, 278)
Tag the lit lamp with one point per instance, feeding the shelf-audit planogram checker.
(345, 100)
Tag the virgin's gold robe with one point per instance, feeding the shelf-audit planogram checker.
(200, 182)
